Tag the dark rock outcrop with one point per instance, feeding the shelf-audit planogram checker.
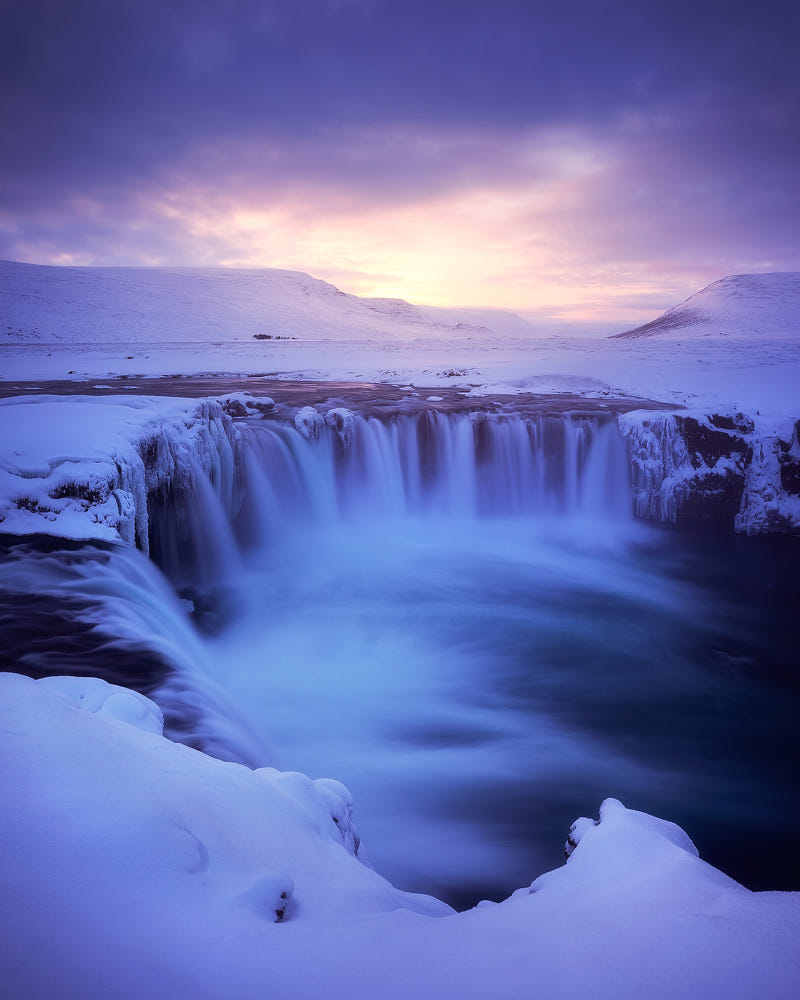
(714, 471)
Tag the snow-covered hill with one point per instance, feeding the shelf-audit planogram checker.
(745, 306)
(157, 304)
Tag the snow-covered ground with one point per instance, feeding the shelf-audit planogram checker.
(92, 324)
(186, 876)
(95, 323)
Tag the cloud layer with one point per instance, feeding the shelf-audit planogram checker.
(598, 162)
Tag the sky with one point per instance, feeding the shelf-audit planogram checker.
(582, 161)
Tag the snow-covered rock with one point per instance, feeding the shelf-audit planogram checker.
(136, 867)
(771, 499)
(84, 467)
(243, 404)
(343, 422)
(309, 422)
(109, 700)
(714, 469)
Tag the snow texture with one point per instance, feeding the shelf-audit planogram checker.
(137, 305)
(735, 461)
(97, 323)
(743, 306)
(108, 700)
(82, 467)
(142, 868)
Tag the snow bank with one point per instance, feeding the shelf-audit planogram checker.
(82, 467)
(109, 700)
(137, 867)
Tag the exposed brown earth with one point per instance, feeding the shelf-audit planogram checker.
(375, 397)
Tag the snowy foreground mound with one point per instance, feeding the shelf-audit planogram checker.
(137, 867)
(138, 305)
(744, 306)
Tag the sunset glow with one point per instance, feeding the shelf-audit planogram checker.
(337, 139)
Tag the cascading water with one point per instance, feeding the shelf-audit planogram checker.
(470, 465)
(456, 615)
(106, 611)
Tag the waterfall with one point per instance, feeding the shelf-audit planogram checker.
(190, 512)
(464, 465)
(109, 611)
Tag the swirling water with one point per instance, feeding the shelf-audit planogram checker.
(460, 620)
(458, 617)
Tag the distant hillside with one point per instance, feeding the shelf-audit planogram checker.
(746, 306)
(157, 304)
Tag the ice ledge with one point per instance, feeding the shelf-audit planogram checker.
(83, 468)
(730, 471)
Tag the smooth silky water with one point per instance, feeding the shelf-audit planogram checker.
(459, 619)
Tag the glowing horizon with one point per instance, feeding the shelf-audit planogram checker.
(482, 158)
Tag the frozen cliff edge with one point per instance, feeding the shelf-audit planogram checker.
(84, 468)
(731, 471)
(208, 879)
(158, 471)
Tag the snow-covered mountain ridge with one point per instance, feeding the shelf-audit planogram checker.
(42, 304)
(744, 306)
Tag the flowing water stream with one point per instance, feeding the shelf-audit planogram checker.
(458, 617)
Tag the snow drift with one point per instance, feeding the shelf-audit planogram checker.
(145, 868)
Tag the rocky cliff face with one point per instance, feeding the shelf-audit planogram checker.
(715, 471)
